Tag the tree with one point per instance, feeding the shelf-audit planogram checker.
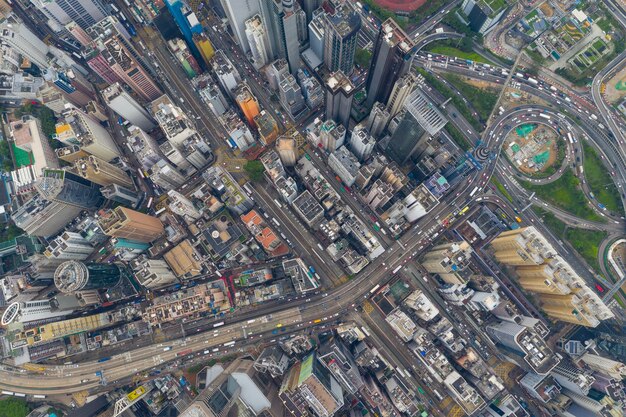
(13, 407)
(255, 170)
(362, 57)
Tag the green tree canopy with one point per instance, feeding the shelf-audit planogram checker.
(255, 170)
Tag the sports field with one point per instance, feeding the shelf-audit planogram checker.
(401, 5)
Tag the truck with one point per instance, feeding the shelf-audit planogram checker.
(311, 270)
(533, 81)
(104, 359)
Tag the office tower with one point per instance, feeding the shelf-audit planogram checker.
(144, 147)
(120, 195)
(61, 12)
(605, 366)
(257, 39)
(332, 135)
(40, 217)
(187, 22)
(452, 261)
(266, 127)
(316, 35)
(301, 25)
(290, 95)
(310, 385)
(377, 120)
(15, 34)
(122, 222)
(276, 72)
(229, 391)
(403, 87)
(152, 273)
(166, 176)
(114, 59)
(73, 276)
(68, 188)
(212, 96)
(311, 89)
(337, 359)
(422, 306)
(69, 245)
(483, 16)
(393, 54)
(228, 190)
(341, 31)
(181, 205)
(81, 130)
(101, 172)
(287, 149)
(394, 176)
(339, 95)
(421, 119)
(564, 295)
(74, 87)
(238, 11)
(344, 164)
(309, 6)
(528, 349)
(172, 120)
(379, 194)
(78, 33)
(572, 378)
(361, 143)
(205, 48)
(247, 103)
(414, 206)
(127, 107)
(282, 28)
(226, 73)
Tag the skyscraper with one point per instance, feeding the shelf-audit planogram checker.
(81, 130)
(341, 32)
(129, 224)
(68, 188)
(401, 91)
(421, 119)
(339, 95)
(257, 39)
(238, 11)
(127, 107)
(281, 24)
(72, 276)
(101, 172)
(247, 103)
(393, 54)
(84, 12)
(69, 245)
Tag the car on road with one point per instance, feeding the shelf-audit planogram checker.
(599, 288)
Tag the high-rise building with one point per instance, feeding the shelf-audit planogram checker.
(331, 135)
(187, 22)
(205, 48)
(211, 95)
(281, 23)
(122, 222)
(69, 245)
(339, 95)
(287, 149)
(181, 51)
(309, 6)
(32, 311)
(361, 143)
(41, 217)
(228, 190)
(152, 273)
(529, 349)
(379, 194)
(257, 39)
(101, 172)
(113, 58)
(451, 261)
(483, 15)
(71, 84)
(393, 54)
(81, 130)
(120, 195)
(420, 120)
(290, 94)
(341, 31)
(276, 71)
(316, 36)
(166, 176)
(310, 385)
(563, 293)
(127, 107)
(181, 205)
(377, 120)
(61, 12)
(335, 357)
(401, 91)
(605, 366)
(227, 75)
(344, 164)
(15, 34)
(266, 127)
(572, 378)
(73, 276)
(238, 12)
(68, 188)
(247, 103)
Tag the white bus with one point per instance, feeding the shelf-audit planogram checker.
(364, 330)
(228, 344)
(221, 323)
(247, 188)
(278, 203)
(396, 269)
(376, 287)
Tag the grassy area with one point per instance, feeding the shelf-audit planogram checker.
(458, 137)
(586, 242)
(483, 99)
(362, 58)
(565, 194)
(22, 158)
(501, 189)
(13, 407)
(452, 51)
(447, 92)
(600, 181)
